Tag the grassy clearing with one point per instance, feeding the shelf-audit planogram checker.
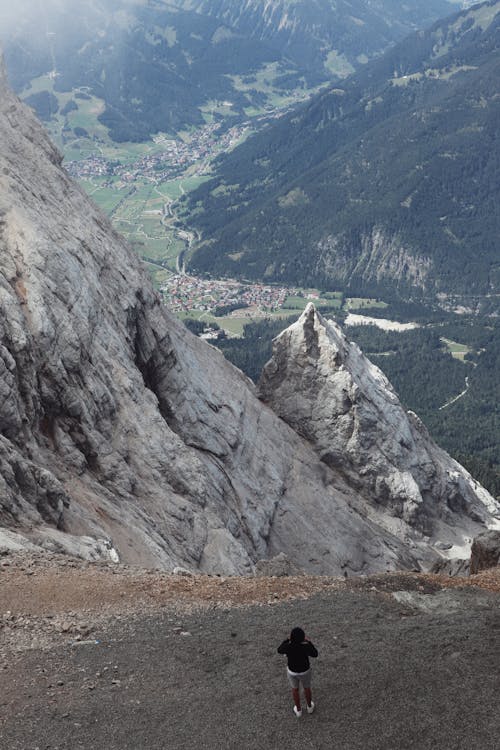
(295, 303)
(263, 81)
(292, 302)
(212, 107)
(186, 184)
(357, 303)
(86, 117)
(233, 326)
(78, 150)
(42, 83)
(458, 351)
(169, 190)
(338, 65)
(158, 275)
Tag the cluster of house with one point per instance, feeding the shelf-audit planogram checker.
(92, 166)
(175, 155)
(183, 293)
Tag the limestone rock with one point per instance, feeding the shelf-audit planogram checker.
(455, 566)
(124, 437)
(178, 571)
(121, 434)
(485, 551)
(322, 385)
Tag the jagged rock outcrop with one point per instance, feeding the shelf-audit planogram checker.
(485, 551)
(330, 393)
(124, 436)
(376, 256)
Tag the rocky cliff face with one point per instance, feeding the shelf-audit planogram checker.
(330, 393)
(123, 435)
(377, 256)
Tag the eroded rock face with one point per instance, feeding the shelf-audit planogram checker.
(121, 434)
(331, 394)
(125, 437)
(455, 567)
(485, 551)
(377, 256)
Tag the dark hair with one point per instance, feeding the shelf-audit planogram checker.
(297, 635)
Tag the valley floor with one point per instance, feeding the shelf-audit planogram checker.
(97, 656)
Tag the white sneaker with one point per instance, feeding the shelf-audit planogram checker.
(297, 712)
(310, 708)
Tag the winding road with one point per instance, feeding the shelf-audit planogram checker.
(456, 398)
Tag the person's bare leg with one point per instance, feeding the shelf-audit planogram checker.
(308, 694)
(296, 698)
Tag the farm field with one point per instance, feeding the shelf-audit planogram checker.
(139, 196)
(233, 324)
(140, 212)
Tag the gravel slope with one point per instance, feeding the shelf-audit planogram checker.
(389, 676)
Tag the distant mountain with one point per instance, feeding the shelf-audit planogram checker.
(155, 65)
(333, 35)
(386, 182)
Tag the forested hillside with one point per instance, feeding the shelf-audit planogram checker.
(388, 182)
(333, 36)
(162, 66)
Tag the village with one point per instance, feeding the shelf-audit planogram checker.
(174, 157)
(183, 293)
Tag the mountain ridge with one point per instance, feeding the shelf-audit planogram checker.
(122, 435)
(358, 188)
(185, 59)
(329, 25)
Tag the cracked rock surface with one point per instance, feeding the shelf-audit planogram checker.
(322, 385)
(124, 437)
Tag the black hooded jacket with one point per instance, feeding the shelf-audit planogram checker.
(298, 654)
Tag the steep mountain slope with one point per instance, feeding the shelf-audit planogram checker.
(387, 182)
(154, 65)
(323, 386)
(333, 35)
(122, 434)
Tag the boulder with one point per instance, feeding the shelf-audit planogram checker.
(485, 551)
(178, 571)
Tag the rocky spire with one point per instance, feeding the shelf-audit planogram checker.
(330, 393)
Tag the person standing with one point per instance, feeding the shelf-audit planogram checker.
(298, 649)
